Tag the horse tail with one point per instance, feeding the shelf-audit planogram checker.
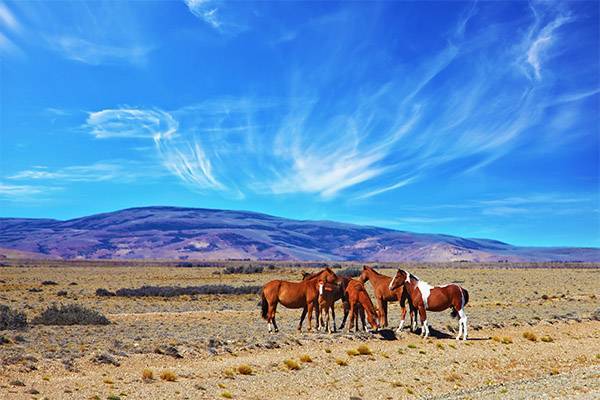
(264, 305)
(465, 296)
(453, 313)
(465, 299)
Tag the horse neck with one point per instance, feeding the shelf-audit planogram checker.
(376, 278)
(365, 301)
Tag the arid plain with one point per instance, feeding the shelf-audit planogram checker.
(534, 332)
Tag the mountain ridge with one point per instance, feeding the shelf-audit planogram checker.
(167, 232)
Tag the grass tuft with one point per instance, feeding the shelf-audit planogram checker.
(291, 364)
(554, 371)
(227, 395)
(530, 336)
(168, 376)
(352, 352)
(453, 377)
(147, 374)
(341, 363)
(412, 346)
(364, 350)
(507, 340)
(305, 358)
(547, 339)
(245, 369)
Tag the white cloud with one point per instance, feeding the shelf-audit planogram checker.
(87, 52)
(25, 193)
(131, 123)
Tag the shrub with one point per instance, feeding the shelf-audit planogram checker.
(291, 364)
(350, 272)
(352, 352)
(11, 319)
(61, 293)
(172, 291)
(530, 336)
(229, 373)
(248, 269)
(364, 350)
(147, 374)
(554, 371)
(412, 346)
(305, 358)
(113, 397)
(227, 395)
(168, 376)
(341, 363)
(49, 283)
(71, 314)
(547, 339)
(440, 346)
(245, 369)
(328, 351)
(507, 340)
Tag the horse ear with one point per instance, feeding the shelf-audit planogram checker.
(364, 267)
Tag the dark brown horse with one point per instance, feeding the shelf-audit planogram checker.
(383, 295)
(433, 298)
(339, 293)
(303, 294)
(360, 301)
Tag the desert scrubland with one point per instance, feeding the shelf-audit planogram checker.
(534, 332)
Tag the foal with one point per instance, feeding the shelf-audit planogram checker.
(359, 299)
(338, 293)
(434, 298)
(327, 298)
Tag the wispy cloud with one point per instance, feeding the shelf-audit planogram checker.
(228, 19)
(25, 193)
(104, 171)
(87, 52)
(130, 123)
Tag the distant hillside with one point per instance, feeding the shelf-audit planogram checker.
(195, 233)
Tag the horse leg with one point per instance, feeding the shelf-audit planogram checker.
(399, 330)
(332, 316)
(462, 324)
(304, 311)
(385, 310)
(346, 305)
(351, 319)
(424, 326)
(362, 319)
(311, 306)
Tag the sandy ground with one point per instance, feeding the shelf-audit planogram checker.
(204, 339)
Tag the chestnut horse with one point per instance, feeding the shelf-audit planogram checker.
(303, 294)
(434, 298)
(339, 293)
(360, 301)
(383, 295)
(327, 298)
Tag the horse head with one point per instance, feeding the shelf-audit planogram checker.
(328, 275)
(399, 279)
(364, 275)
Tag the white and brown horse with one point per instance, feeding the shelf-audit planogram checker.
(433, 298)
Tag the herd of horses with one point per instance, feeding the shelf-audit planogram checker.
(317, 293)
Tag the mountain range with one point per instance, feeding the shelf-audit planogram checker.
(197, 233)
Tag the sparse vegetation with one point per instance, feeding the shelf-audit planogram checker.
(554, 371)
(49, 283)
(350, 272)
(411, 346)
(245, 369)
(243, 269)
(305, 358)
(227, 395)
(173, 291)
(168, 376)
(11, 319)
(291, 364)
(341, 362)
(104, 293)
(147, 374)
(530, 336)
(452, 377)
(507, 340)
(547, 339)
(70, 314)
(364, 350)
(352, 352)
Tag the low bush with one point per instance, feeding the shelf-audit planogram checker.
(364, 350)
(305, 358)
(70, 314)
(243, 269)
(11, 320)
(147, 374)
(547, 339)
(245, 369)
(168, 376)
(530, 336)
(104, 293)
(291, 364)
(350, 272)
(341, 363)
(173, 291)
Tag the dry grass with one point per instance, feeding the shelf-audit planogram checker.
(547, 339)
(229, 373)
(352, 352)
(507, 340)
(305, 358)
(453, 377)
(341, 363)
(168, 376)
(108, 381)
(227, 395)
(364, 350)
(554, 371)
(147, 374)
(245, 369)
(412, 346)
(530, 336)
(291, 364)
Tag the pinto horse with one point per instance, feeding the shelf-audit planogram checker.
(360, 302)
(339, 293)
(303, 294)
(383, 295)
(434, 298)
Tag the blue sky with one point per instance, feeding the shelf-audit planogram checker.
(478, 119)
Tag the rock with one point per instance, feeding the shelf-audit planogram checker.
(105, 358)
(596, 315)
(168, 351)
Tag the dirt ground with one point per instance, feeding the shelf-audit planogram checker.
(203, 340)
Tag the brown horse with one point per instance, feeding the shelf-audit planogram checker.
(303, 294)
(383, 295)
(339, 294)
(327, 298)
(360, 301)
(434, 298)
